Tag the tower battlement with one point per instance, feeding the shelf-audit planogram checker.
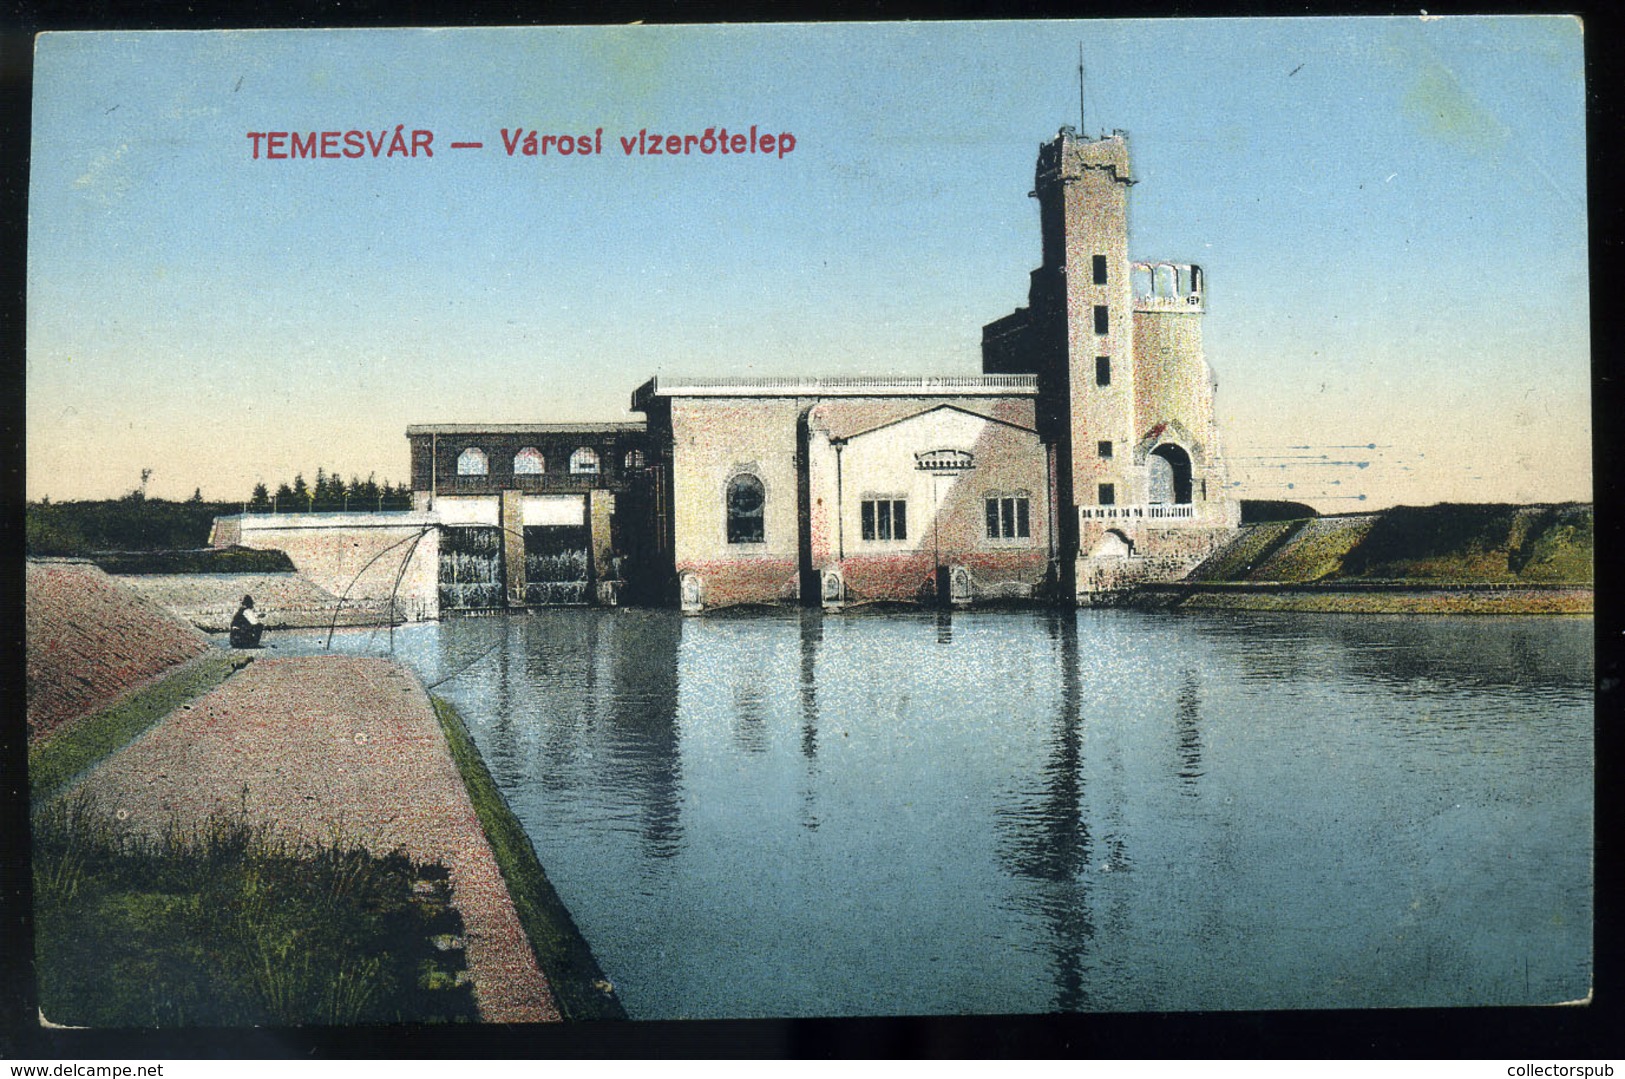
(1070, 155)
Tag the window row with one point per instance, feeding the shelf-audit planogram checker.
(529, 461)
(1008, 516)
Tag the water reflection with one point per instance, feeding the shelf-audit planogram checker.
(1486, 651)
(947, 812)
(1187, 716)
(1045, 834)
(812, 635)
(573, 701)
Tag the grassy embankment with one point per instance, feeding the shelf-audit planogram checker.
(1449, 558)
(578, 983)
(55, 760)
(231, 926)
(234, 927)
(202, 560)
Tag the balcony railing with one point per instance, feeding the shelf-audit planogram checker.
(1159, 512)
(1191, 303)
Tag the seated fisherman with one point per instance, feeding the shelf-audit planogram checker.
(246, 626)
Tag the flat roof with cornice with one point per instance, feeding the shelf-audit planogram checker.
(839, 386)
(627, 427)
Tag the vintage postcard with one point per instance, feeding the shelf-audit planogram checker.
(776, 521)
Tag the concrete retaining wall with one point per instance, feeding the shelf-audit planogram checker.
(363, 557)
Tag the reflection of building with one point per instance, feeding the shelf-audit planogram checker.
(1084, 457)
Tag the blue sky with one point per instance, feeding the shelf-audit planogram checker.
(1391, 214)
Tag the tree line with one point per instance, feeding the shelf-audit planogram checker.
(330, 493)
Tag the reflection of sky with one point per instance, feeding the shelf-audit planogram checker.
(1391, 212)
(933, 813)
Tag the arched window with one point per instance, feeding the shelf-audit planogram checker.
(529, 462)
(1170, 475)
(634, 459)
(745, 501)
(584, 462)
(472, 462)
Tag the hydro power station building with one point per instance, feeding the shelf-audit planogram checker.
(1085, 457)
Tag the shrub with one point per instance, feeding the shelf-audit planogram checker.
(231, 926)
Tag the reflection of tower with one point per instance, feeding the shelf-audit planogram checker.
(1049, 841)
(642, 707)
(812, 636)
(1187, 715)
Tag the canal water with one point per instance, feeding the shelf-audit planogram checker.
(1017, 812)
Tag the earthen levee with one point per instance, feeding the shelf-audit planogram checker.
(90, 641)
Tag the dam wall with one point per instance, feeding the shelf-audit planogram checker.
(364, 558)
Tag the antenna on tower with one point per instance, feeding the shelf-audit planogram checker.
(1082, 127)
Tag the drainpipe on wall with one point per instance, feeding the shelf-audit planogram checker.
(840, 517)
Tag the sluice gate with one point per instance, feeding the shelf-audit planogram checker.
(473, 570)
(556, 566)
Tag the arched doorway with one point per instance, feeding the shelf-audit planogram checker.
(1170, 475)
(1112, 544)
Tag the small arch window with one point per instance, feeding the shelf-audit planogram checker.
(745, 501)
(473, 462)
(634, 459)
(529, 462)
(584, 462)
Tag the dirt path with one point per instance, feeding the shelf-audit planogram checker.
(334, 746)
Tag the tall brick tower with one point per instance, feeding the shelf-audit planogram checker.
(1134, 453)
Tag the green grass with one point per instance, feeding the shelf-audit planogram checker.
(1490, 544)
(1315, 552)
(232, 927)
(578, 983)
(204, 560)
(1252, 545)
(126, 524)
(56, 759)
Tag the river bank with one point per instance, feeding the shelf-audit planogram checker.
(1442, 559)
(311, 751)
(1368, 598)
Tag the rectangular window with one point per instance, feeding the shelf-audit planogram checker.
(1108, 494)
(1008, 517)
(1102, 321)
(1100, 269)
(1104, 449)
(1103, 370)
(884, 518)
